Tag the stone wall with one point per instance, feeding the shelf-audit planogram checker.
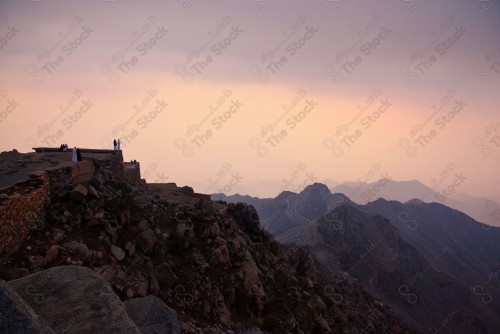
(22, 210)
(81, 172)
(132, 172)
(22, 206)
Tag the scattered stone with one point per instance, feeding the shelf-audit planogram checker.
(51, 253)
(78, 193)
(58, 235)
(146, 240)
(93, 192)
(152, 316)
(79, 249)
(117, 252)
(165, 275)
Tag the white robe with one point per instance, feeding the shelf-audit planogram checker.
(73, 155)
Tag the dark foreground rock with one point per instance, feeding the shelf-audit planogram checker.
(152, 315)
(17, 317)
(74, 299)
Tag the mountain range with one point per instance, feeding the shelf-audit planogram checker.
(436, 266)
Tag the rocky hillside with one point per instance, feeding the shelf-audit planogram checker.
(370, 249)
(460, 254)
(209, 261)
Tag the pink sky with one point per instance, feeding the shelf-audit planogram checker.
(331, 82)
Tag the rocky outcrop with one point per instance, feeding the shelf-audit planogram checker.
(153, 316)
(209, 261)
(17, 317)
(74, 299)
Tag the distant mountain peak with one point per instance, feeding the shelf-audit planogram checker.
(317, 187)
(415, 201)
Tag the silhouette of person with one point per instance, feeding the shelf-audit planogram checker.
(61, 148)
(78, 155)
(118, 146)
(114, 144)
(73, 155)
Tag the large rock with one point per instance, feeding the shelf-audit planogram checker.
(153, 316)
(146, 240)
(165, 275)
(74, 299)
(17, 317)
(117, 252)
(78, 193)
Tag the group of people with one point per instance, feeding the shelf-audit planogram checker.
(76, 156)
(116, 145)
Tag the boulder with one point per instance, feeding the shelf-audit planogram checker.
(78, 193)
(93, 192)
(78, 250)
(117, 252)
(146, 240)
(165, 275)
(51, 253)
(74, 299)
(17, 317)
(153, 316)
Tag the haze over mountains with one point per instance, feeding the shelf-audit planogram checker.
(431, 263)
(482, 209)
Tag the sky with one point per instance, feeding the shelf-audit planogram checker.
(256, 97)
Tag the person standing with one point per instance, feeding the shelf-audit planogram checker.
(78, 155)
(114, 144)
(118, 146)
(73, 155)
